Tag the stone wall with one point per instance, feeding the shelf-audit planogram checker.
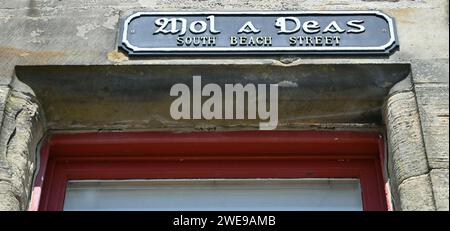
(84, 32)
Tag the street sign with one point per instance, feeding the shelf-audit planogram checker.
(243, 33)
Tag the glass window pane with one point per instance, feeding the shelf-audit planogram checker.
(215, 194)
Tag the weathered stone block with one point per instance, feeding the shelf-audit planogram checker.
(433, 106)
(4, 92)
(406, 150)
(22, 128)
(430, 71)
(416, 194)
(8, 201)
(439, 180)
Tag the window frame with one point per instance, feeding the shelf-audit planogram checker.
(239, 154)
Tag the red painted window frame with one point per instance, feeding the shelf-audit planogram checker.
(243, 154)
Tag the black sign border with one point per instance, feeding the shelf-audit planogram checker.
(392, 46)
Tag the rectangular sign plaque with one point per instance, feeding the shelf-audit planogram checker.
(241, 33)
